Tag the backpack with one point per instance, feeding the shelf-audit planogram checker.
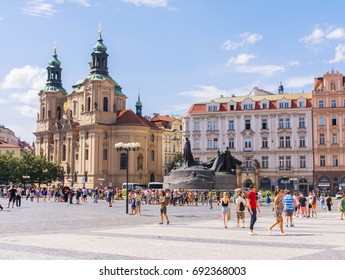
(241, 207)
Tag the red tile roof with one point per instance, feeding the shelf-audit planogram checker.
(128, 117)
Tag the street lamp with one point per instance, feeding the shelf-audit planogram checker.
(127, 147)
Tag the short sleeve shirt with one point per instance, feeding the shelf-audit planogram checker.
(252, 196)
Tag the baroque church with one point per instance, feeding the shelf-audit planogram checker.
(79, 129)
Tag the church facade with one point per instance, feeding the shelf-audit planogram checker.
(79, 129)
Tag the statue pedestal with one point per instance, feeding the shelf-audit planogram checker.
(225, 181)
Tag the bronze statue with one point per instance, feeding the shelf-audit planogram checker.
(188, 159)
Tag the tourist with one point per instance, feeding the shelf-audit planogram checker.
(19, 197)
(240, 209)
(313, 205)
(132, 199)
(342, 207)
(163, 210)
(32, 194)
(84, 194)
(44, 194)
(303, 205)
(278, 211)
(323, 202)
(253, 208)
(297, 205)
(210, 199)
(329, 203)
(12, 196)
(77, 196)
(95, 195)
(260, 199)
(138, 198)
(38, 194)
(268, 198)
(289, 205)
(225, 201)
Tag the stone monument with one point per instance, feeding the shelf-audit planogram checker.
(218, 173)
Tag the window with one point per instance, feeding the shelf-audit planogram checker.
(302, 162)
(196, 144)
(187, 126)
(232, 107)
(89, 104)
(281, 163)
(231, 143)
(123, 161)
(344, 102)
(287, 142)
(322, 120)
(264, 162)
(105, 104)
(212, 125)
(288, 162)
(334, 103)
(58, 112)
(302, 103)
(281, 142)
(247, 124)
(301, 122)
(248, 107)
(321, 104)
(196, 126)
(212, 143)
(322, 139)
(302, 141)
(105, 154)
(264, 124)
(248, 162)
(264, 142)
(284, 105)
(247, 144)
(64, 153)
(322, 160)
(212, 108)
(281, 123)
(334, 138)
(152, 155)
(87, 154)
(287, 123)
(264, 106)
(334, 120)
(335, 160)
(231, 125)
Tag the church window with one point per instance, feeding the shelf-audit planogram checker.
(58, 112)
(105, 104)
(123, 161)
(64, 153)
(105, 154)
(89, 104)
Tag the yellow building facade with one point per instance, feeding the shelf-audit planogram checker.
(79, 129)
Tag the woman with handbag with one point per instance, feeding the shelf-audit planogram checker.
(329, 203)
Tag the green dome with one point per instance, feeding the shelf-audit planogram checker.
(100, 47)
(139, 104)
(54, 62)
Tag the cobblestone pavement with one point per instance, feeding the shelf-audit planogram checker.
(42, 231)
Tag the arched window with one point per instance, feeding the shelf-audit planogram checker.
(64, 153)
(248, 183)
(152, 155)
(87, 154)
(43, 113)
(105, 154)
(152, 177)
(89, 104)
(105, 104)
(123, 161)
(58, 112)
(265, 184)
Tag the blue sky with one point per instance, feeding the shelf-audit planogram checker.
(175, 52)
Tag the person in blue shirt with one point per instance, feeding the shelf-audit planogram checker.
(289, 205)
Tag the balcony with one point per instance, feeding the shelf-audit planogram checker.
(284, 168)
(247, 149)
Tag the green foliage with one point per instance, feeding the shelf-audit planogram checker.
(37, 168)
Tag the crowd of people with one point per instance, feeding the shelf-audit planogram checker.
(286, 203)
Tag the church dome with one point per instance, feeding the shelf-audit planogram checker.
(100, 47)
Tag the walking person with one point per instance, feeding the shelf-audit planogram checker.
(210, 199)
(329, 203)
(163, 210)
(225, 201)
(240, 209)
(278, 211)
(95, 195)
(138, 198)
(303, 205)
(323, 202)
(253, 208)
(342, 207)
(289, 205)
(19, 197)
(12, 196)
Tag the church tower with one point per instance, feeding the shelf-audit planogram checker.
(52, 98)
(139, 106)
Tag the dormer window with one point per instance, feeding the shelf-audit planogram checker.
(247, 106)
(232, 106)
(284, 104)
(213, 107)
(301, 103)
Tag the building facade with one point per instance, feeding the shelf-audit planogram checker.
(329, 132)
(270, 133)
(172, 140)
(79, 129)
(8, 136)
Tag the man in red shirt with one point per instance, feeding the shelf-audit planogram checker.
(253, 207)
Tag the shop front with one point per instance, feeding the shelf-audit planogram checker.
(286, 184)
(324, 185)
(265, 184)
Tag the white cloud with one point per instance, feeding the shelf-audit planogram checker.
(149, 3)
(339, 54)
(242, 58)
(27, 111)
(251, 38)
(316, 37)
(266, 70)
(294, 62)
(39, 8)
(299, 82)
(247, 38)
(338, 33)
(85, 3)
(2, 101)
(203, 92)
(25, 77)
